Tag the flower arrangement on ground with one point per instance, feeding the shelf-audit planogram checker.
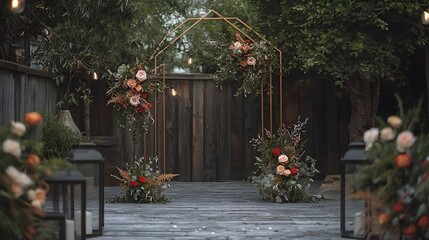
(140, 183)
(132, 92)
(22, 189)
(397, 180)
(246, 62)
(284, 171)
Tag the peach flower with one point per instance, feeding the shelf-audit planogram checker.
(280, 169)
(131, 83)
(138, 88)
(287, 172)
(387, 134)
(394, 121)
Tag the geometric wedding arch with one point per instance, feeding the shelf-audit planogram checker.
(195, 21)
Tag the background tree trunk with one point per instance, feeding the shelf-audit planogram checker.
(364, 96)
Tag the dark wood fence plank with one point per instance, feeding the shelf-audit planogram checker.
(198, 131)
(210, 131)
(185, 130)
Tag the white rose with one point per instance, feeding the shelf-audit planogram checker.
(36, 203)
(31, 194)
(134, 100)
(12, 147)
(405, 140)
(17, 128)
(18, 177)
(387, 134)
(283, 158)
(141, 75)
(251, 61)
(369, 137)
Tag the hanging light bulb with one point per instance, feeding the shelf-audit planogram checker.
(190, 59)
(173, 92)
(17, 6)
(94, 76)
(425, 17)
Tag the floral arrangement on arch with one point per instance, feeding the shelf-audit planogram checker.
(397, 180)
(284, 171)
(140, 183)
(132, 91)
(22, 188)
(248, 63)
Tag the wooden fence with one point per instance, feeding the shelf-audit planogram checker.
(23, 89)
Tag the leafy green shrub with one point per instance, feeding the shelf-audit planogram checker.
(57, 138)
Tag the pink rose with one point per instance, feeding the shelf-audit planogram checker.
(141, 75)
(287, 172)
(236, 45)
(251, 61)
(18, 128)
(405, 140)
(134, 100)
(283, 158)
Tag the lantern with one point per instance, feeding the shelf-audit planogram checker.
(90, 163)
(352, 208)
(67, 195)
(54, 225)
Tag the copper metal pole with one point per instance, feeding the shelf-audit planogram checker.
(281, 87)
(270, 91)
(155, 128)
(262, 110)
(163, 118)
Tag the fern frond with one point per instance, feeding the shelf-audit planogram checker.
(124, 174)
(120, 179)
(166, 177)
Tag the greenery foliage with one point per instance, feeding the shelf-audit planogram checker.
(398, 177)
(284, 170)
(246, 62)
(57, 138)
(141, 183)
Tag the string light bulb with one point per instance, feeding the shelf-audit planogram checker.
(425, 17)
(190, 60)
(94, 76)
(173, 92)
(17, 6)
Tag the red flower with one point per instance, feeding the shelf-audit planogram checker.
(144, 95)
(410, 230)
(276, 151)
(397, 207)
(148, 106)
(294, 170)
(423, 222)
(139, 109)
(133, 183)
(142, 179)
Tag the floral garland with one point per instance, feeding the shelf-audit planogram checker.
(284, 172)
(248, 63)
(22, 188)
(132, 90)
(398, 178)
(140, 184)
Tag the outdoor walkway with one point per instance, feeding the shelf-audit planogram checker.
(221, 210)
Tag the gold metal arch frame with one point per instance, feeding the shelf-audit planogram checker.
(196, 21)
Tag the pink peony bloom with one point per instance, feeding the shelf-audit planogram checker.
(405, 140)
(251, 61)
(134, 100)
(141, 75)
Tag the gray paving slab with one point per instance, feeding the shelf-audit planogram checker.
(221, 210)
